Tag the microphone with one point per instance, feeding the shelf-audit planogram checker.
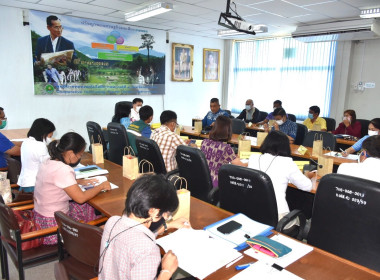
(319, 165)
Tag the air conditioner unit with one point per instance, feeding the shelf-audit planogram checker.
(361, 29)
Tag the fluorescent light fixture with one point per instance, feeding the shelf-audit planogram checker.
(370, 13)
(149, 11)
(260, 28)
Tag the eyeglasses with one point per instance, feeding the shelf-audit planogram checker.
(57, 27)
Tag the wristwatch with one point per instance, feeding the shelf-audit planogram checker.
(165, 227)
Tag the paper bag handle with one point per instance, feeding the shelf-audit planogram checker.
(99, 139)
(316, 137)
(130, 150)
(143, 162)
(182, 179)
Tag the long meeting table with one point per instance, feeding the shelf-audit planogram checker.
(318, 264)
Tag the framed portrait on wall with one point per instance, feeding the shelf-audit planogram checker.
(182, 62)
(211, 69)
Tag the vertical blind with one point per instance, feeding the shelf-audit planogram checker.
(299, 74)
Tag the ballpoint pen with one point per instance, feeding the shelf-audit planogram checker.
(243, 266)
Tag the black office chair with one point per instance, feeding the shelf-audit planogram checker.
(148, 149)
(292, 117)
(365, 124)
(346, 220)
(330, 124)
(95, 134)
(301, 133)
(118, 140)
(249, 191)
(193, 166)
(228, 111)
(120, 103)
(262, 116)
(238, 126)
(329, 141)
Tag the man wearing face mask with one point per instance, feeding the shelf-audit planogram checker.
(167, 140)
(250, 113)
(314, 119)
(283, 124)
(368, 165)
(141, 127)
(3, 119)
(137, 104)
(276, 104)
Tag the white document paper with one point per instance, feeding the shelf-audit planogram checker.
(100, 179)
(339, 155)
(260, 271)
(19, 139)
(252, 139)
(197, 253)
(249, 227)
(299, 250)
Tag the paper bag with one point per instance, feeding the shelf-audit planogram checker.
(183, 210)
(317, 146)
(244, 145)
(97, 151)
(325, 165)
(198, 126)
(5, 188)
(130, 164)
(261, 137)
(145, 167)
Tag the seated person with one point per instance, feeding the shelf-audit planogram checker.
(276, 161)
(135, 112)
(313, 118)
(167, 140)
(128, 249)
(34, 152)
(7, 150)
(211, 116)
(373, 129)
(216, 150)
(56, 185)
(122, 113)
(3, 119)
(276, 104)
(250, 113)
(369, 161)
(349, 125)
(141, 127)
(283, 124)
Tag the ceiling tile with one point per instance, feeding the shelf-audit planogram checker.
(189, 9)
(336, 10)
(281, 8)
(311, 18)
(114, 4)
(363, 4)
(32, 6)
(271, 19)
(75, 6)
(173, 16)
(309, 2)
(215, 5)
(98, 17)
(250, 2)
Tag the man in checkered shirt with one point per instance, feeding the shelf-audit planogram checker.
(167, 140)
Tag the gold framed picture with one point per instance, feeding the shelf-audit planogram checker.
(182, 62)
(211, 69)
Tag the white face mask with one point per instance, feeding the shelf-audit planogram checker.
(138, 109)
(279, 122)
(248, 107)
(372, 132)
(347, 118)
(48, 140)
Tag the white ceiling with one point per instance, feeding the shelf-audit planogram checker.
(200, 17)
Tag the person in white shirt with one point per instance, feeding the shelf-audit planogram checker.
(34, 152)
(368, 165)
(137, 104)
(275, 161)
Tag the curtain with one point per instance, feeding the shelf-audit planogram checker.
(299, 74)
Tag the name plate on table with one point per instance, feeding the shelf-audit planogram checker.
(302, 150)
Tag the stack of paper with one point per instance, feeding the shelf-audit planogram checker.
(197, 253)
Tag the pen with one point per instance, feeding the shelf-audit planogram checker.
(343, 152)
(243, 266)
(234, 261)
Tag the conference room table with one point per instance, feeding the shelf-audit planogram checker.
(318, 264)
(20, 133)
(189, 131)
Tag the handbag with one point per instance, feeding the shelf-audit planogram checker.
(25, 220)
(130, 164)
(97, 151)
(325, 164)
(183, 210)
(145, 167)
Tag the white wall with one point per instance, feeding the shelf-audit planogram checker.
(72, 112)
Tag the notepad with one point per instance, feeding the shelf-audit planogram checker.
(82, 172)
(339, 155)
(100, 179)
(197, 253)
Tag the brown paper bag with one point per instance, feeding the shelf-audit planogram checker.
(145, 167)
(243, 144)
(5, 188)
(130, 164)
(97, 151)
(198, 126)
(183, 210)
(325, 165)
(261, 137)
(317, 146)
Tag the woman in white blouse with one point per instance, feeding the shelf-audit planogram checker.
(34, 152)
(275, 161)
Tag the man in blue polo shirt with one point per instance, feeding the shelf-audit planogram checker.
(7, 149)
(215, 112)
(283, 124)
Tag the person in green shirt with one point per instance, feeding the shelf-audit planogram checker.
(141, 127)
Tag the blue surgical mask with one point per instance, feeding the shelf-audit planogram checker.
(3, 124)
(248, 107)
(310, 116)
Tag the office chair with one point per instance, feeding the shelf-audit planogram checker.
(95, 134)
(262, 116)
(238, 126)
(365, 124)
(301, 133)
(329, 141)
(78, 247)
(292, 117)
(193, 166)
(118, 140)
(228, 111)
(249, 191)
(346, 219)
(121, 103)
(330, 124)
